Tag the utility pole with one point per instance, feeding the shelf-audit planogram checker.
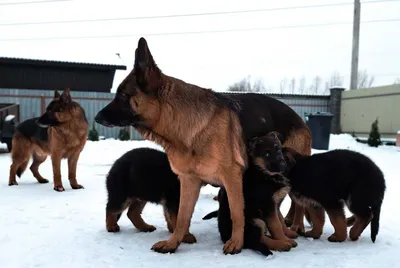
(356, 41)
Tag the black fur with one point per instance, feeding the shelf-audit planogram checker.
(258, 191)
(336, 176)
(142, 173)
(31, 130)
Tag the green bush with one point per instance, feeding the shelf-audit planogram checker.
(93, 134)
(124, 134)
(374, 139)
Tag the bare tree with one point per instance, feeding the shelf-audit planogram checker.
(283, 85)
(243, 85)
(315, 87)
(336, 80)
(302, 85)
(365, 80)
(292, 85)
(258, 86)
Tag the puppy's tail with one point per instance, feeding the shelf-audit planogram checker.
(376, 212)
(211, 215)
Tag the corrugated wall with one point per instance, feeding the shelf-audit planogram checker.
(92, 102)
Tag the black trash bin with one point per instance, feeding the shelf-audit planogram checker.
(320, 126)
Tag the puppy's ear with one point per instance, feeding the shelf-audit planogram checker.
(56, 94)
(277, 135)
(148, 75)
(289, 154)
(252, 144)
(66, 96)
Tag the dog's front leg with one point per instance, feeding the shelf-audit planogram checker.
(72, 164)
(233, 183)
(190, 190)
(56, 163)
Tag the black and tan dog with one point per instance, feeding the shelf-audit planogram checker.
(331, 180)
(60, 132)
(139, 176)
(262, 191)
(204, 134)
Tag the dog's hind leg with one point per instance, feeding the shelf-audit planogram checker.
(338, 220)
(114, 208)
(135, 215)
(37, 160)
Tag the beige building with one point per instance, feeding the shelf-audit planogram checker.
(359, 108)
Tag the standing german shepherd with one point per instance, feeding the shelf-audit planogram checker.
(60, 132)
(204, 134)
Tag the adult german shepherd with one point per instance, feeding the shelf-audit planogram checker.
(60, 132)
(204, 134)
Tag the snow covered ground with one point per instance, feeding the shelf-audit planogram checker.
(44, 228)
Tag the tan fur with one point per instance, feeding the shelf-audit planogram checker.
(64, 141)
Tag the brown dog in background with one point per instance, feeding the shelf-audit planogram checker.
(60, 132)
(204, 134)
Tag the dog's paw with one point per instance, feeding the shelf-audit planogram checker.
(77, 186)
(290, 233)
(165, 246)
(337, 238)
(11, 183)
(43, 181)
(233, 246)
(148, 229)
(189, 239)
(313, 234)
(298, 229)
(59, 188)
(113, 228)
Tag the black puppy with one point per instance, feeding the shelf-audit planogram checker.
(139, 176)
(332, 179)
(261, 193)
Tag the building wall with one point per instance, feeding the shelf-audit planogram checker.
(32, 102)
(361, 107)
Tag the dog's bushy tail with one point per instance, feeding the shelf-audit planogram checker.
(211, 215)
(376, 212)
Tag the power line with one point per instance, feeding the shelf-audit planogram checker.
(31, 2)
(189, 14)
(194, 32)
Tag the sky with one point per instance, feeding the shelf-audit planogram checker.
(213, 60)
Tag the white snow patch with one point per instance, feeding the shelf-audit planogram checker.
(9, 117)
(43, 228)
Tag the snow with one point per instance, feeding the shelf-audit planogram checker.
(44, 228)
(9, 117)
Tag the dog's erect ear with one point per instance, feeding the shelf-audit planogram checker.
(277, 135)
(66, 96)
(147, 73)
(56, 94)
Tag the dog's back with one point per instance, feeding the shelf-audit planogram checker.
(144, 173)
(341, 175)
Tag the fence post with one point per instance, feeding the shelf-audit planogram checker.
(42, 104)
(335, 103)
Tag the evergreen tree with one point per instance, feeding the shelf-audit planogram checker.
(124, 134)
(93, 134)
(374, 139)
